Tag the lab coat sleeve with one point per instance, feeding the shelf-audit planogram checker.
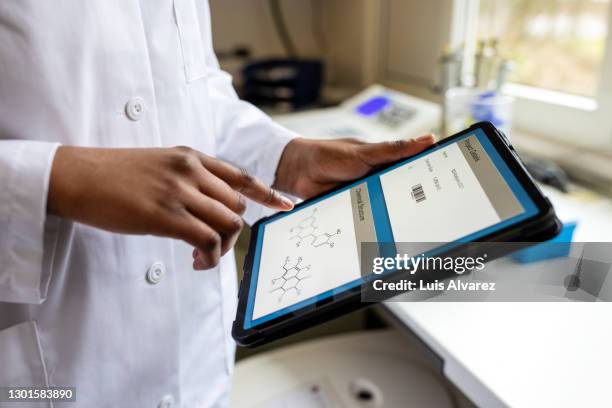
(25, 167)
(245, 136)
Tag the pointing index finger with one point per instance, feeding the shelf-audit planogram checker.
(246, 184)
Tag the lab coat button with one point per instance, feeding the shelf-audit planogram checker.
(155, 273)
(134, 109)
(166, 402)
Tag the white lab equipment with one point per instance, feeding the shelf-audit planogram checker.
(465, 106)
(375, 114)
(372, 369)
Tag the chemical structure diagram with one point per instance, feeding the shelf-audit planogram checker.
(306, 231)
(292, 276)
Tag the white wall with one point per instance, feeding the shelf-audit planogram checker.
(240, 22)
(416, 32)
(396, 42)
(249, 22)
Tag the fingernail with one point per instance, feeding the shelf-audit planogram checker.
(286, 202)
(425, 139)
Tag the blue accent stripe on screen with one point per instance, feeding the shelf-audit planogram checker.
(382, 224)
(253, 287)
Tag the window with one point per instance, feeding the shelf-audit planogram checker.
(555, 44)
(562, 61)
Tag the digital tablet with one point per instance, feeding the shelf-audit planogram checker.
(303, 266)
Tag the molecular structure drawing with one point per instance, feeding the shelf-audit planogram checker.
(291, 278)
(306, 231)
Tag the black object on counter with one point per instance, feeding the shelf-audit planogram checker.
(283, 81)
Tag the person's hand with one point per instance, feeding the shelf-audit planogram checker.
(309, 167)
(171, 192)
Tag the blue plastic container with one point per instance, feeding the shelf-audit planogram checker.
(555, 248)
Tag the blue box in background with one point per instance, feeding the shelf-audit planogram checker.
(555, 248)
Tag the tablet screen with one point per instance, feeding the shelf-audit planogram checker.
(461, 190)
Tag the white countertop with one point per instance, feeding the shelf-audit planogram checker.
(525, 354)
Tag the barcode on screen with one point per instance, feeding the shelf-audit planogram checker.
(418, 194)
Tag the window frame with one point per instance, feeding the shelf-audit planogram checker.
(571, 117)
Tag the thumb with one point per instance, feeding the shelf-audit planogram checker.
(375, 154)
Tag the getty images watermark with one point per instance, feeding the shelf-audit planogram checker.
(477, 272)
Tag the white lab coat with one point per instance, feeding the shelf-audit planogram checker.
(77, 306)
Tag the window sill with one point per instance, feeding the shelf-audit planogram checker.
(551, 97)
